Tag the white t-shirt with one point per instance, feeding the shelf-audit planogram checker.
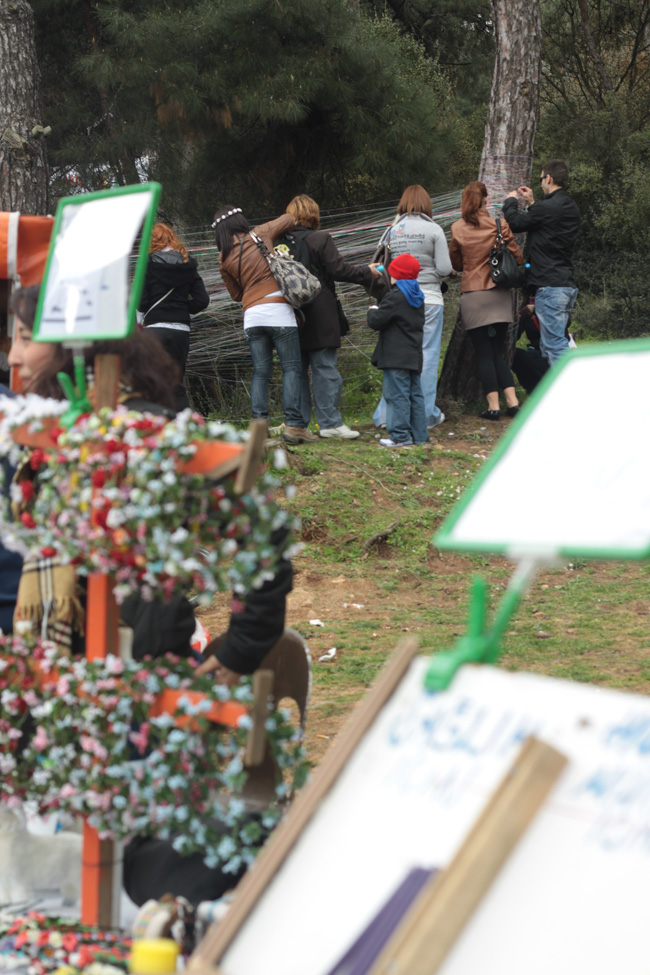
(271, 314)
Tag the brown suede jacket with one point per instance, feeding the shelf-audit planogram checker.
(251, 281)
(470, 248)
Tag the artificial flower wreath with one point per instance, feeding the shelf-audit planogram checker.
(84, 742)
(109, 497)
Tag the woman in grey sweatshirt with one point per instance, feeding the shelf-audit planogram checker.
(414, 232)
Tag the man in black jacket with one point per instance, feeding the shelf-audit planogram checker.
(552, 226)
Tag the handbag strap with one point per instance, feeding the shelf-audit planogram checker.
(156, 303)
(261, 245)
(499, 234)
(241, 247)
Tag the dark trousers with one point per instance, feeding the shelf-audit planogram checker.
(489, 342)
(153, 868)
(177, 346)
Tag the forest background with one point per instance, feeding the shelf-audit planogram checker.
(252, 101)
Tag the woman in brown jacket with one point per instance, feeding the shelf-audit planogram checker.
(269, 321)
(486, 310)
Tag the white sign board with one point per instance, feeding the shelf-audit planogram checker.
(87, 290)
(573, 474)
(574, 895)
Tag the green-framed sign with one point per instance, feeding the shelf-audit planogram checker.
(571, 477)
(86, 294)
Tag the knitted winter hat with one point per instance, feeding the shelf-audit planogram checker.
(404, 267)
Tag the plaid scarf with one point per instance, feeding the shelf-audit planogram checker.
(47, 597)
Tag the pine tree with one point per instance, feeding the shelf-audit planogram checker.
(23, 167)
(507, 150)
(244, 100)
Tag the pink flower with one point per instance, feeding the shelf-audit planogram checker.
(68, 790)
(40, 741)
(141, 738)
(63, 686)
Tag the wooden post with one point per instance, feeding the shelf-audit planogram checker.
(107, 379)
(101, 859)
(427, 934)
(100, 876)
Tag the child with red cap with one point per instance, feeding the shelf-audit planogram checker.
(399, 319)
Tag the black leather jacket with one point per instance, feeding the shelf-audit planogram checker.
(552, 226)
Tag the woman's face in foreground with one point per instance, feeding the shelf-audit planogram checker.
(28, 357)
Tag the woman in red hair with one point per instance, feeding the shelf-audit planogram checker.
(173, 290)
(486, 310)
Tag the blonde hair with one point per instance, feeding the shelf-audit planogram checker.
(415, 199)
(163, 236)
(305, 210)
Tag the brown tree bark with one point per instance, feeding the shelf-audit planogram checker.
(23, 166)
(507, 150)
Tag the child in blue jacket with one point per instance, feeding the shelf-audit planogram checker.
(399, 319)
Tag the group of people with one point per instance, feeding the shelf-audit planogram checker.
(413, 345)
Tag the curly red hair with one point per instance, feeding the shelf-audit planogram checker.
(163, 236)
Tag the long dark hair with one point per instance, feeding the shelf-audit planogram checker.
(226, 223)
(145, 368)
(23, 303)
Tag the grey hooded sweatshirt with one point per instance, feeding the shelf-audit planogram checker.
(417, 234)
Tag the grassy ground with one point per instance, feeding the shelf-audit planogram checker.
(580, 621)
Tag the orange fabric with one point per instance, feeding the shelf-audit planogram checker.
(4, 221)
(33, 244)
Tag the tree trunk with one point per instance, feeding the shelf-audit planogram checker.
(507, 150)
(23, 168)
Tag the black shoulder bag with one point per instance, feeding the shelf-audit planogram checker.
(504, 270)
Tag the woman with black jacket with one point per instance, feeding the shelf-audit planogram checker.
(173, 290)
(325, 322)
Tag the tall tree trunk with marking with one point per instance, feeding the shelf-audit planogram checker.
(507, 150)
(23, 168)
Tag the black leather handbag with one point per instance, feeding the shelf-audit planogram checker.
(504, 270)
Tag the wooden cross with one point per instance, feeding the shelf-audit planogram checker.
(100, 881)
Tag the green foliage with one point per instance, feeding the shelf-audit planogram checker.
(241, 100)
(596, 114)
(457, 34)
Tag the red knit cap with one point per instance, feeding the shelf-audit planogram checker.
(404, 267)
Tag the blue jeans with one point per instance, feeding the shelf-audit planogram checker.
(553, 307)
(405, 418)
(262, 339)
(431, 340)
(326, 384)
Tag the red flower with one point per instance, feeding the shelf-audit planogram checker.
(26, 489)
(48, 552)
(112, 446)
(36, 459)
(55, 434)
(70, 941)
(20, 940)
(98, 478)
(43, 939)
(27, 520)
(84, 957)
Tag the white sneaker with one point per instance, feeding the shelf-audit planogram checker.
(343, 432)
(388, 442)
(441, 419)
